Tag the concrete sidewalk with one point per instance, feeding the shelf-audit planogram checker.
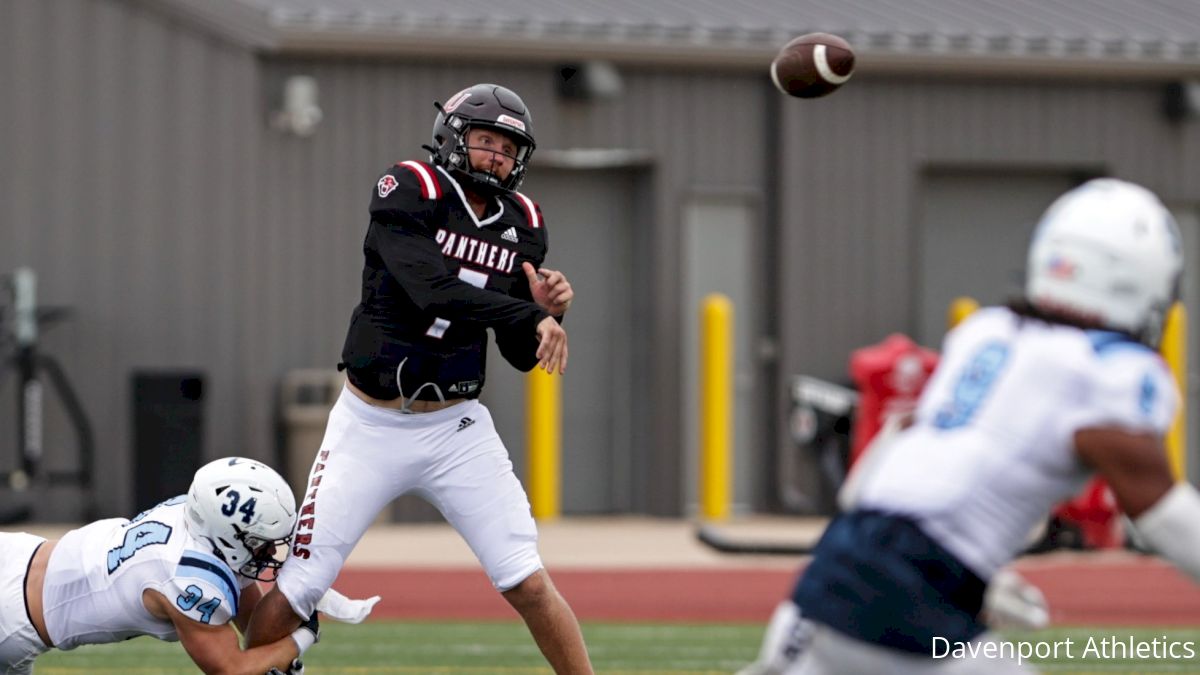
(595, 542)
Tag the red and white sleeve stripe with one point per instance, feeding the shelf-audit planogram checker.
(535, 219)
(430, 188)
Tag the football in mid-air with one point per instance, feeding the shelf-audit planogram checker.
(812, 65)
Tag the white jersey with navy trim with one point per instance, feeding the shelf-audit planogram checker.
(97, 574)
(991, 450)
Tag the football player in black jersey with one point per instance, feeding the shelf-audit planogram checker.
(452, 249)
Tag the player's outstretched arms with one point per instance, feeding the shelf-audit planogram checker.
(552, 346)
(215, 649)
(248, 601)
(1165, 513)
(273, 619)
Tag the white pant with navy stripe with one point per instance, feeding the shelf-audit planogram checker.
(453, 458)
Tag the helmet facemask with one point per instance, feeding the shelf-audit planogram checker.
(266, 556)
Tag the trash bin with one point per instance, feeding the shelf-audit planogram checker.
(168, 433)
(306, 397)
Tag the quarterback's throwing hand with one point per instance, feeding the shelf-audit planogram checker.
(552, 346)
(550, 288)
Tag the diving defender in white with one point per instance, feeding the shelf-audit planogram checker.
(1027, 403)
(182, 570)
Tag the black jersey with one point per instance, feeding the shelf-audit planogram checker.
(434, 280)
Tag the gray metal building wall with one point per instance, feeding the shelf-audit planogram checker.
(141, 181)
(855, 167)
(854, 172)
(130, 147)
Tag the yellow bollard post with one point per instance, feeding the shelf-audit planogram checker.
(960, 308)
(1174, 352)
(543, 425)
(716, 406)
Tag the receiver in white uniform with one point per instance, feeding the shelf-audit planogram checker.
(1027, 403)
(991, 449)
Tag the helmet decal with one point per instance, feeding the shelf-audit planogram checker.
(456, 100)
(511, 121)
(1060, 267)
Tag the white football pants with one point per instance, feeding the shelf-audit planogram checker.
(453, 458)
(19, 641)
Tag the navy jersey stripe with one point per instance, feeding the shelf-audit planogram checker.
(1105, 342)
(231, 590)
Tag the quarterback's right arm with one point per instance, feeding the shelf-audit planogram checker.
(215, 648)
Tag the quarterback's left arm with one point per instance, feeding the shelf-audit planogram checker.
(517, 347)
(549, 289)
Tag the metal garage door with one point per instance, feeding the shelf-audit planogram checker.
(591, 220)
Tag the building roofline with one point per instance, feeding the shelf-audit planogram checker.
(719, 49)
(231, 20)
(1081, 60)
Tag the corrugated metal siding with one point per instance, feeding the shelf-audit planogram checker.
(855, 164)
(853, 172)
(130, 148)
(141, 183)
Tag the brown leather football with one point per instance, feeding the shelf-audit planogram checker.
(812, 65)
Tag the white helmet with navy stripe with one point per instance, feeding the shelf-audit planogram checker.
(245, 510)
(1108, 253)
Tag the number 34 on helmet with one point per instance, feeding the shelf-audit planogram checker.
(246, 511)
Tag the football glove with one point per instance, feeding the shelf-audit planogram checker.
(296, 668)
(340, 608)
(1013, 602)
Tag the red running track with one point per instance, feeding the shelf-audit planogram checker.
(1081, 590)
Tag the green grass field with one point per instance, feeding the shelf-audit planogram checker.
(379, 648)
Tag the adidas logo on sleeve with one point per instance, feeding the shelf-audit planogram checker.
(510, 235)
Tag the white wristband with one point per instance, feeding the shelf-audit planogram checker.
(1172, 528)
(304, 639)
